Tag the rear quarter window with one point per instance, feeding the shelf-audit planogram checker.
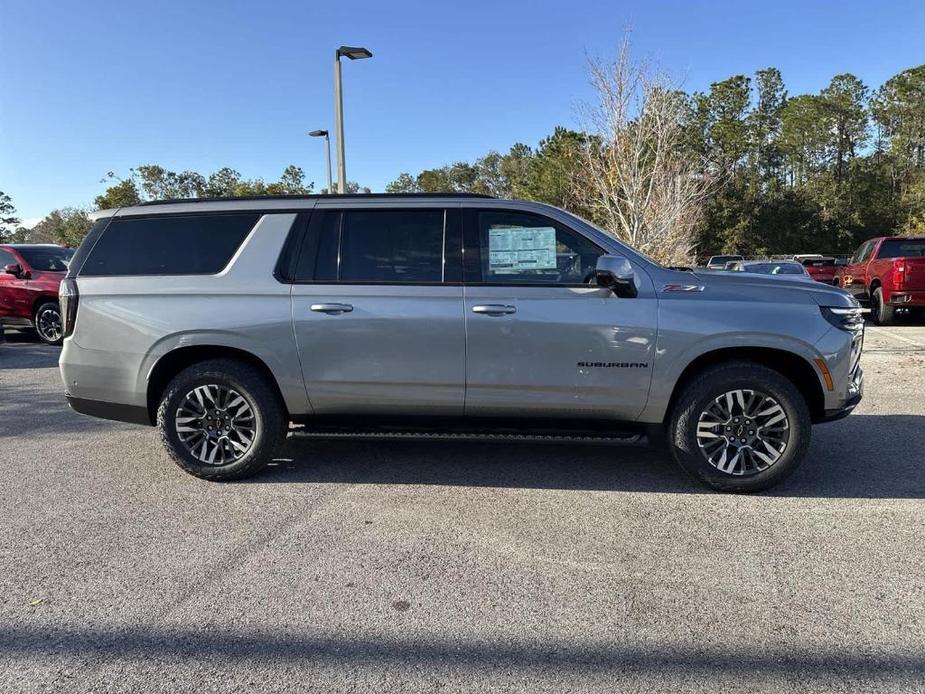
(200, 244)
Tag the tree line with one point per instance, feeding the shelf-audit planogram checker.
(744, 167)
(778, 173)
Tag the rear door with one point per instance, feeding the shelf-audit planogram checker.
(542, 338)
(377, 311)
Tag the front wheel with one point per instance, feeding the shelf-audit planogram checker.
(47, 321)
(221, 420)
(740, 427)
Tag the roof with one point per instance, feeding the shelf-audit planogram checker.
(349, 196)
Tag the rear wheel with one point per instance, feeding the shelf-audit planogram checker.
(881, 313)
(47, 321)
(740, 427)
(221, 420)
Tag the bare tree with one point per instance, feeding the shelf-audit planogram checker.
(641, 181)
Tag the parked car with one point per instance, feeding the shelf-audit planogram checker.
(788, 268)
(720, 262)
(888, 273)
(29, 283)
(820, 268)
(426, 315)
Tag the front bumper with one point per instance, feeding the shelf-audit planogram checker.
(855, 394)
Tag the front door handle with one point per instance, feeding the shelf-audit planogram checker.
(332, 309)
(494, 309)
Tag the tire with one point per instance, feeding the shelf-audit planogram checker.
(217, 384)
(880, 313)
(694, 411)
(47, 322)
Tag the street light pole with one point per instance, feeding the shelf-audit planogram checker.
(354, 53)
(327, 145)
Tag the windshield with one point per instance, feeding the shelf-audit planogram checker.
(775, 268)
(724, 258)
(51, 258)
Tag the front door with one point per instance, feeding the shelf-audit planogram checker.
(542, 338)
(377, 316)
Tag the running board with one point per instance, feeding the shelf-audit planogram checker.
(584, 438)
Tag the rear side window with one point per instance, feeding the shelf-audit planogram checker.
(392, 246)
(898, 248)
(374, 246)
(199, 244)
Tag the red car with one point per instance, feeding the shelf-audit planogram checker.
(888, 273)
(819, 267)
(29, 279)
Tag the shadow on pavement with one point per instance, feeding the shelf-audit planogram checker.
(25, 351)
(287, 648)
(863, 456)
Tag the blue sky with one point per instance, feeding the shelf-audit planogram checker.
(91, 87)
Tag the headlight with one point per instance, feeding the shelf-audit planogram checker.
(845, 318)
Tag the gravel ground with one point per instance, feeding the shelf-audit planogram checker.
(459, 567)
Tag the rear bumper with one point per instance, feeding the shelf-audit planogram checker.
(910, 298)
(110, 410)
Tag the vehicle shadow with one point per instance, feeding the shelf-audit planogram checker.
(863, 456)
(25, 351)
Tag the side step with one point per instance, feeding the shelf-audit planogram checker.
(595, 438)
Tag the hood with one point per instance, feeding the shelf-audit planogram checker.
(769, 287)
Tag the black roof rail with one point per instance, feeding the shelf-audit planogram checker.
(351, 196)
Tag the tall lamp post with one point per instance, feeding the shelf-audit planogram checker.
(354, 53)
(327, 144)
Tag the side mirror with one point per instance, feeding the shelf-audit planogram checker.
(13, 269)
(616, 273)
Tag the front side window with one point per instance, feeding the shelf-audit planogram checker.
(200, 244)
(7, 258)
(524, 248)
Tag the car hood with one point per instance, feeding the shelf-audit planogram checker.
(768, 285)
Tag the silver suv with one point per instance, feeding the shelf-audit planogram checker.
(222, 322)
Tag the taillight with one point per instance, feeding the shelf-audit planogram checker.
(899, 273)
(67, 299)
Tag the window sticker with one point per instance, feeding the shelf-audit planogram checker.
(513, 250)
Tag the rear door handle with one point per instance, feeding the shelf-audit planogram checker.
(494, 309)
(332, 309)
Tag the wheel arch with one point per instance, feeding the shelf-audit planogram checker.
(174, 361)
(792, 366)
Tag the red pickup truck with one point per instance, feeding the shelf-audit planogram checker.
(888, 273)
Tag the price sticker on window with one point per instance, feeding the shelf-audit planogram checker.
(515, 250)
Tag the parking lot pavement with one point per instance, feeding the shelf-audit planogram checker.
(446, 567)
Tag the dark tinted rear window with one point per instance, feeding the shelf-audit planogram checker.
(898, 248)
(392, 246)
(49, 258)
(169, 245)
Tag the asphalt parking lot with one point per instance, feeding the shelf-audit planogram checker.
(450, 566)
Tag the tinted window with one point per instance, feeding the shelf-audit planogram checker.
(865, 251)
(899, 248)
(168, 245)
(51, 258)
(389, 246)
(519, 248)
(7, 258)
